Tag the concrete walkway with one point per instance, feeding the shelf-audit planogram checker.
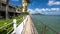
(29, 27)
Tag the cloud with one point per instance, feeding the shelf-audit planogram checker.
(31, 11)
(48, 9)
(45, 11)
(55, 9)
(15, 0)
(53, 2)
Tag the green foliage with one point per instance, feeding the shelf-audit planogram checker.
(6, 29)
(25, 13)
(21, 7)
(28, 1)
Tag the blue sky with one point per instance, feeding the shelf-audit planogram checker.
(15, 2)
(35, 4)
(41, 5)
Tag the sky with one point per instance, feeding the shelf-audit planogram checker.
(15, 2)
(41, 6)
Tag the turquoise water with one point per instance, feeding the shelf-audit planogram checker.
(52, 21)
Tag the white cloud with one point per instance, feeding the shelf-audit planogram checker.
(15, 0)
(45, 11)
(37, 9)
(31, 11)
(55, 9)
(53, 2)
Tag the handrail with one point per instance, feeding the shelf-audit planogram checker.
(12, 28)
(6, 25)
(50, 28)
(9, 31)
(21, 26)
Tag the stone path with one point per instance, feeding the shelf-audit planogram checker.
(29, 27)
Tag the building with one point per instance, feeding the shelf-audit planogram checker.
(11, 9)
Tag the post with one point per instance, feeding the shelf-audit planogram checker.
(14, 21)
(7, 9)
(6, 12)
(44, 29)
